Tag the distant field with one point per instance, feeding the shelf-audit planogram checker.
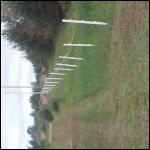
(105, 100)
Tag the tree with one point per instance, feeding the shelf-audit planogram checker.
(55, 106)
(46, 114)
(35, 144)
(34, 100)
(32, 26)
(31, 130)
(32, 113)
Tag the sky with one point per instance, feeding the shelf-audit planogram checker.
(15, 108)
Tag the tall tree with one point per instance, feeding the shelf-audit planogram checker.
(32, 26)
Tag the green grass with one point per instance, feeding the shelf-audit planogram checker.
(86, 79)
(108, 93)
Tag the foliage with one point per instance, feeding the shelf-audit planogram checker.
(32, 27)
(35, 145)
(55, 106)
(31, 129)
(34, 100)
(46, 114)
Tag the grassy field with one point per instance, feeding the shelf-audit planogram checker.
(86, 79)
(105, 100)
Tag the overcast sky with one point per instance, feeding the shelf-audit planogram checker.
(15, 108)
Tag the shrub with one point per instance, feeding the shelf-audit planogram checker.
(46, 114)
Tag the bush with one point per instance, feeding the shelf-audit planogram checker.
(46, 114)
(55, 106)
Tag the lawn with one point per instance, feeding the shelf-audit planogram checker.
(105, 100)
(92, 73)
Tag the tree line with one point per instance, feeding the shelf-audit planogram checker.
(32, 27)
